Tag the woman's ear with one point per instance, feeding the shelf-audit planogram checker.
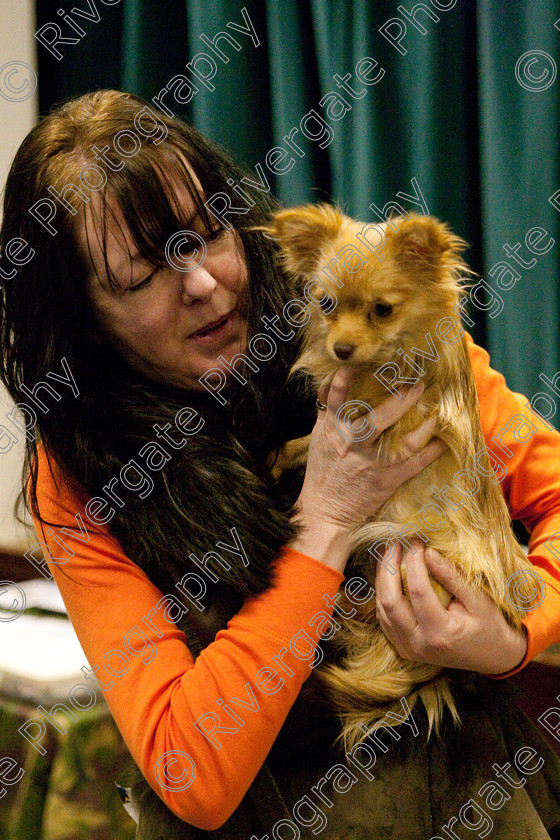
(302, 233)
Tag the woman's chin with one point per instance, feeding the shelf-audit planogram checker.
(218, 372)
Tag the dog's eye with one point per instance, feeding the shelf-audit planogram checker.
(326, 304)
(383, 310)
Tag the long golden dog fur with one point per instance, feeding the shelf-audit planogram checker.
(384, 308)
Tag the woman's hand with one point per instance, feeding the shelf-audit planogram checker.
(471, 633)
(346, 481)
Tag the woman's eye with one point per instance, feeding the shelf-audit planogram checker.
(208, 237)
(214, 234)
(143, 283)
(383, 310)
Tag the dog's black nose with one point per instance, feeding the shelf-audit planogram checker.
(343, 351)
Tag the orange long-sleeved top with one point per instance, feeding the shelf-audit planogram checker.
(156, 699)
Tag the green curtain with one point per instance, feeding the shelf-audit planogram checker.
(449, 110)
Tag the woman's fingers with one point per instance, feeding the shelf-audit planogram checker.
(323, 393)
(446, 574)
(428, 609)
(392, 606)
(418, 438)
(344, 481)
(333, 392)
(416, 463)
(470, 634)
(418, 625)
(393, 408)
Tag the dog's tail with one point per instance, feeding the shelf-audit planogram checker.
(437, 696)
(358, 724)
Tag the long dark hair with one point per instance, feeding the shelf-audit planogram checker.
(219, 479)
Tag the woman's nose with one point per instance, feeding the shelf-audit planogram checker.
(197, 284)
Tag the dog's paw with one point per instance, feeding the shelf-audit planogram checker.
(290, 456)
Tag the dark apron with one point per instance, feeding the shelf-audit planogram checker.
(418, 786)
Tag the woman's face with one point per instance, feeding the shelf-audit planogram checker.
(174, 326)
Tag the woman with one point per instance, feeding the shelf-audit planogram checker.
(145, 483)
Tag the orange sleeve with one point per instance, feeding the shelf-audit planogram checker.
(528, 448)
(155, 690)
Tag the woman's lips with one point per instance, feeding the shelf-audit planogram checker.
(222, 330)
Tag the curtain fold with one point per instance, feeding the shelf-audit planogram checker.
(237, 112)
(457, 98)
(519, 141)
(295, 89)
(153, 43)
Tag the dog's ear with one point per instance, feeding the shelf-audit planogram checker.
(423, 242)
(302, 231)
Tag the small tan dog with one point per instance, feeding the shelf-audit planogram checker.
(394, 310)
